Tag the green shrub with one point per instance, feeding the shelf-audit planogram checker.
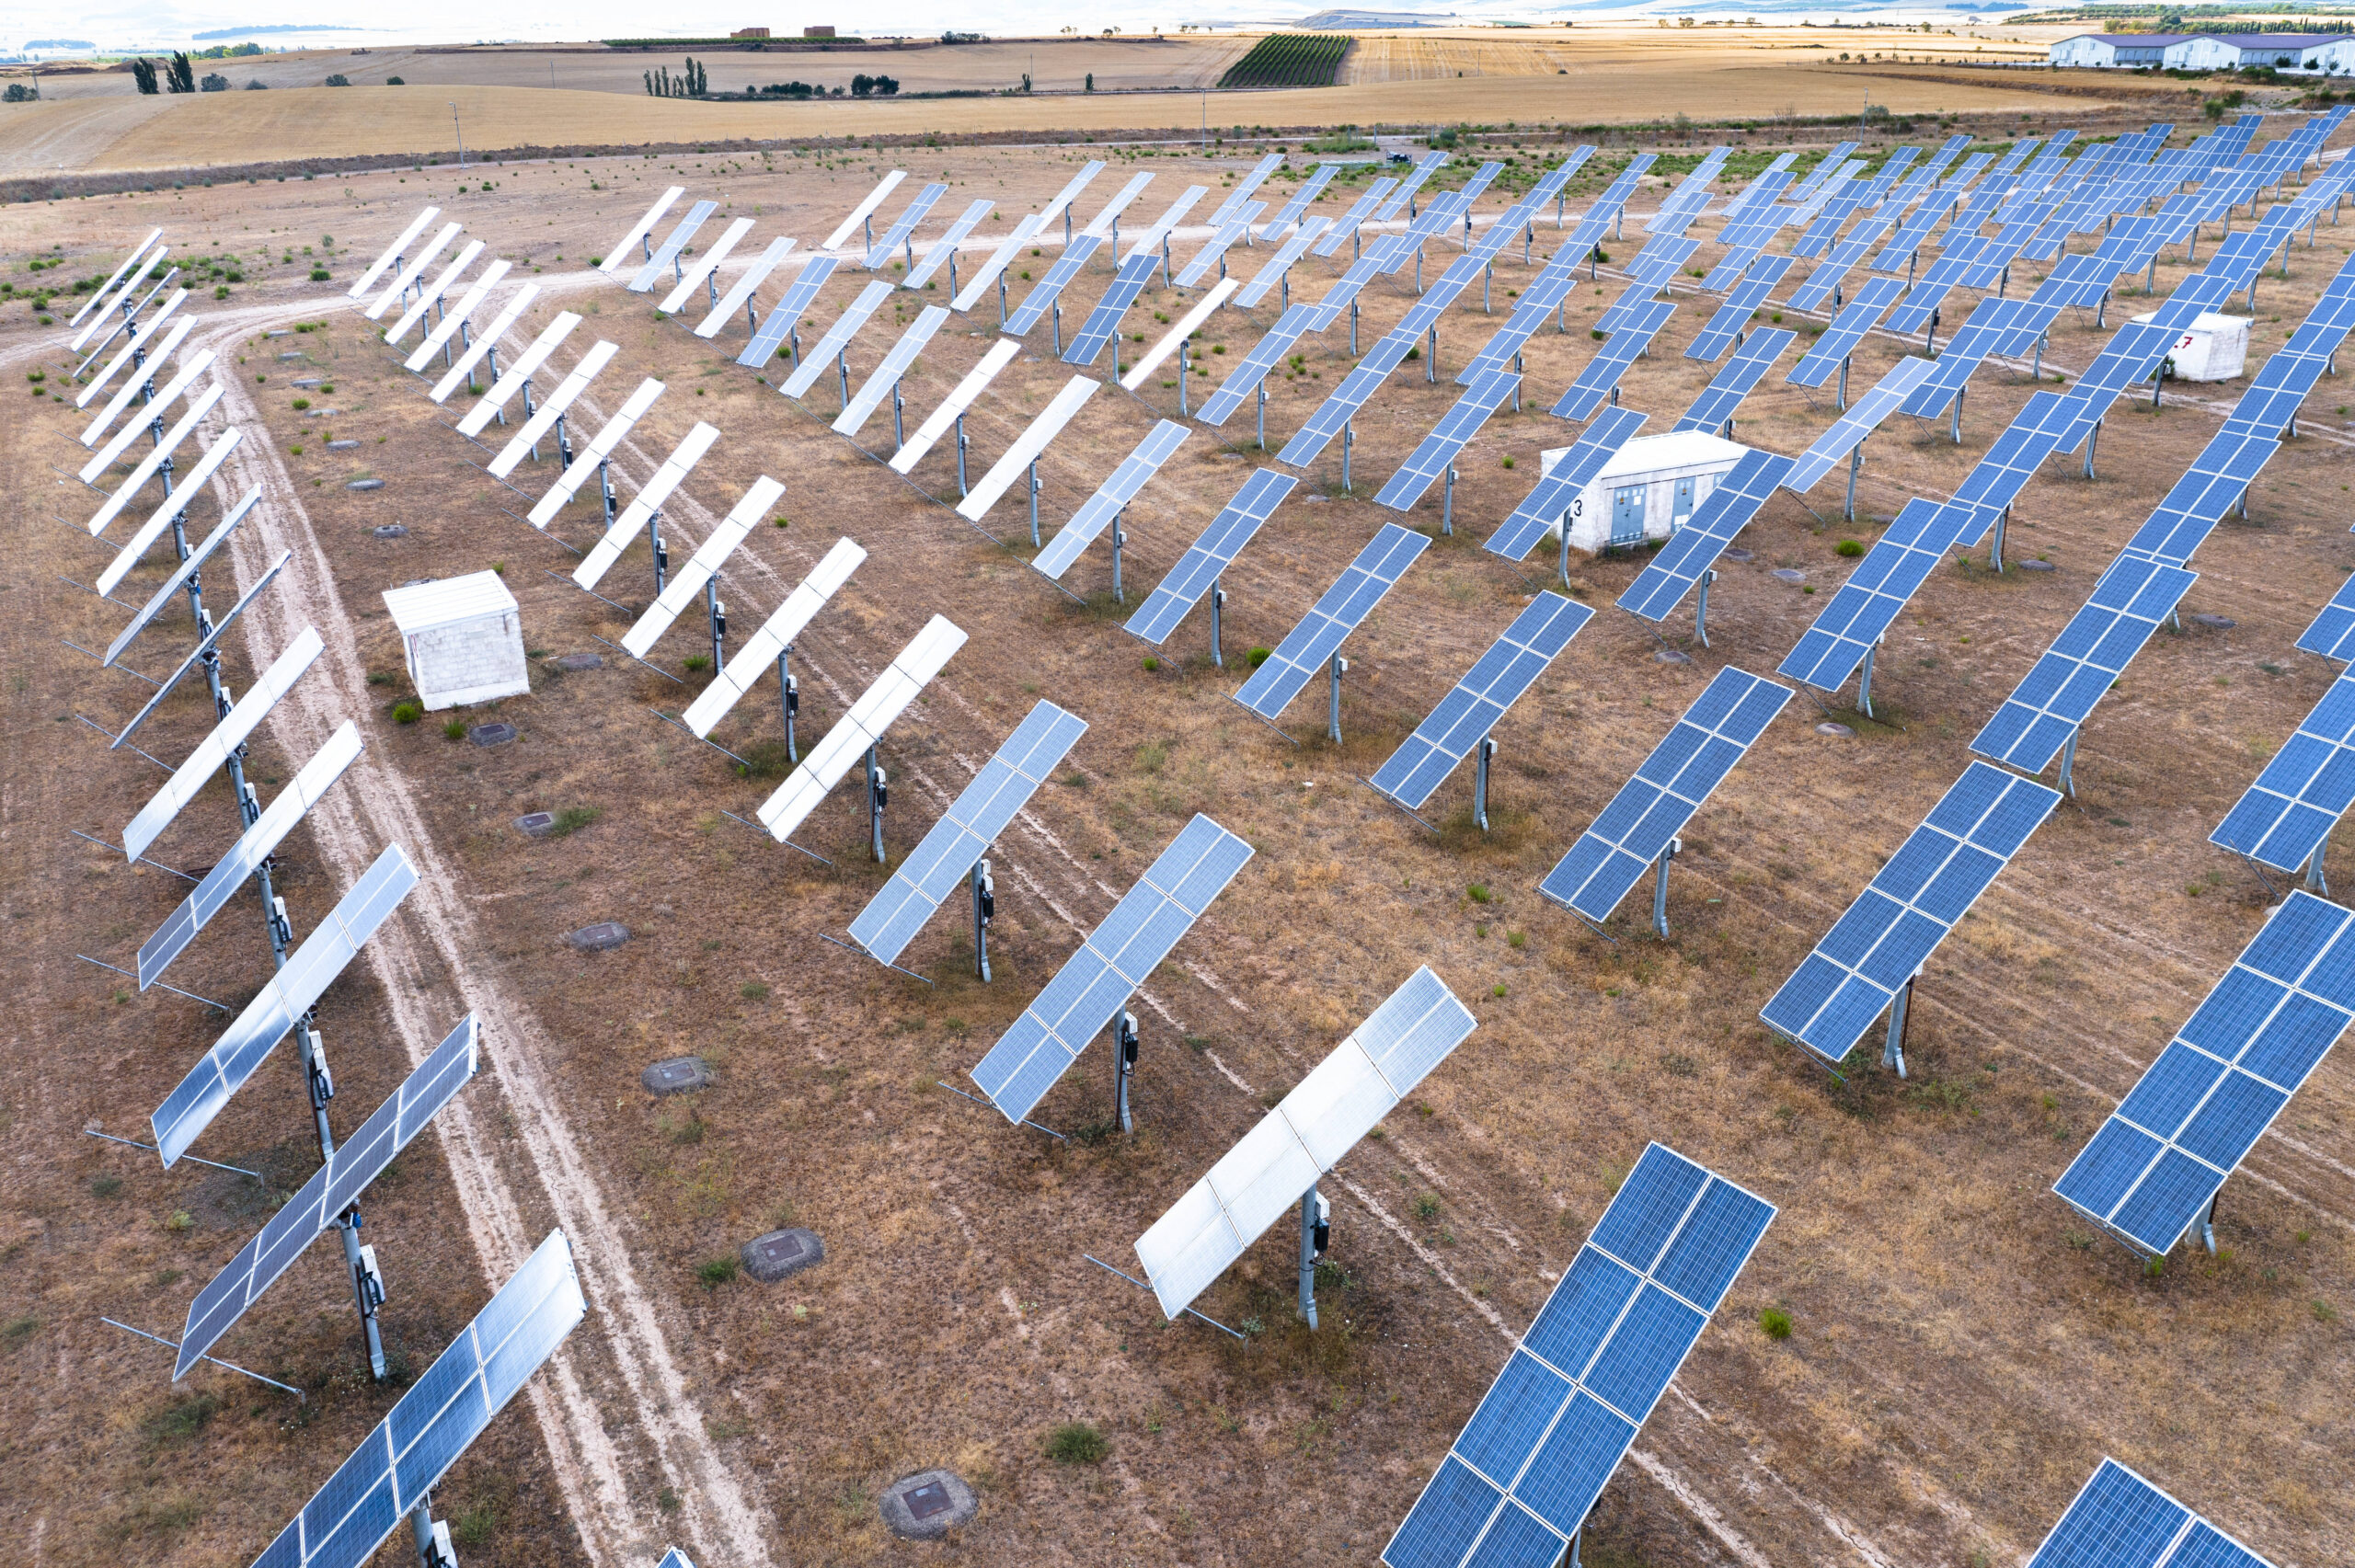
(455, 729)
(1477, 892)
(300, 404)
(571, 819)
(1257, 657)
(1151, 664)
(407, 713)
(713, 1273)
(1774, 1322)
(1850, 548)
(1077, 1443)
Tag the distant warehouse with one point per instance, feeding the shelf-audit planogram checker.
(2321, 54)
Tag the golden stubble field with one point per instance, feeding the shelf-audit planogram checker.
(1962, 1352)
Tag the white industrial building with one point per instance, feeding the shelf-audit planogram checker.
(463, 638)
(2214, 347)
(2330, 54)
(1648, 489)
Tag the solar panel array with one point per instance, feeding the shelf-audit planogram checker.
(2059, 693)
(1487, 690)
(1051, 284)
(1733, 316)
(2284, 819)
(1209, 556)
(960, 398)
(1113, 960)
(1717, 401)
(1104, 321)
(820, 358)
(886, 375)
(945, 247)
(1305, 650)
(1277, 266)
(1862, 417)
(798, 296)
(915, 212)
(1521, 1476)
(1362, 1081)
(1847, 329)
(1653, 807)
(2154, 1166)
(1119, 487)
(1543, 512)
(756, 503)
(211, 753)
(1906, 910)
(748, 663)
(2117, 1518)
(1992, 324)
(1027, 446)
(1847, 629)
(965, 831)
(861, 726)
(1697, 542)
(1602, 372)
(1436, 452)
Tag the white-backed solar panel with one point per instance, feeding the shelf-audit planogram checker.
(747, 282)
(410, 274)
(598, 449)
(613, 259)
(821, 359)
(174, 581)
(211, 753)
(645, 504)
(709, 556)
(785, 810)
(1027, 446)
(461, 372)
(691, 278)
(866, 208)
(760, 651)
(960, 398)
(191, 486)
(945, 245)
(458, 316)
(109, 508)
(159, 355)
(552, 408)
(193, 368)
(526, 365)
(896, 363)
(430, 293)
(141, 334)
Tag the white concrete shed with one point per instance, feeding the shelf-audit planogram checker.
(1648, 489)
(2214, 347)
(463, 638)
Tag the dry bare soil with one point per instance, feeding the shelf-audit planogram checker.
(1962, 1350)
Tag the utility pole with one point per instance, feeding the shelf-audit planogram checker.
(462, 133)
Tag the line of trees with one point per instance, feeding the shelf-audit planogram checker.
(178, 76)
(693, 83)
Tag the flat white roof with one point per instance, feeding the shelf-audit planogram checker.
(1655, 455)
(430, 604)
(2207, 321)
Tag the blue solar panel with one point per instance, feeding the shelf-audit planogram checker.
(1292, 209)
(2134, 350)
(1658, 262)
(1654, 805)
(1210, 555)
(1537, 301)
(1900, 917)
(965, 831)
(2216, 482)
(2287, 815)
(1735, 313)
(1847, 329)
(2120, 1520)
(1827, 273)
(1542, 511)
(1104, 321)
(1991, 326)
(1471, 709)
(1119, 489)
(2059, 693)
(1536, 1452)
(1602, 373)
(1111, 963)
(1847, 629)
(1848, 431)
(2333, 632)
(1743, 371)
(1693, 548)
(1630, 303)
(2157, 1164)
(797, 297)
(1243, 380)
(1995, 481)
(905, 225)
(1352, 283)
(1043, 294)
(1432, 457)
(1278, 265)
(1360, 209)
(1321, 632)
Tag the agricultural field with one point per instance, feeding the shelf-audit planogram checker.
(1288, 60)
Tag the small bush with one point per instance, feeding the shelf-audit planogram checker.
(337, 80)
(698, 662)
(106, 1186)
(1077, 1443)
(407, 713)
(754, 991)
(380, 678)
(1849, 548)
(15, 1330)
(1257, 657)
(455, 729)
(1427, 1208)
(1477, 892)
(1774, 1322)
(1151, 664)
(713, 1273)
(571, 819)
(1508, 463)
(318, 274)
(300, 404)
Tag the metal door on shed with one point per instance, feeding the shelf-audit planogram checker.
(1686, 491)
(1627, 515)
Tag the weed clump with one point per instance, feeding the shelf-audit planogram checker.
(1077, 1443)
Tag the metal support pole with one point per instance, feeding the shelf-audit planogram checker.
(1856, 462)
(717, 614)
(432, 1536)
(1701, 609)
(842, 371)
(898, 418)
(878, 791)
(1447, 505)
(1431, 359)
(2314, 870)
(1034, 503)
(2069, 766)
(1865, 680)
(1315, 1229)
(1119, 537)
(1488, 752)
(1996, 545)
(1353, 330)
(1339, 668)
(661, 555)
(1263, 414)
(1349, 444)
(1893, 1053)
(1124, 1067)
(1956, 431)
(2092, 440)
(961, 491)
(793, 340)
(984, 910)
(1843, 384)
(1218, 608)
(1056, 308)
(1660, 886)
(789, 696)
(1184, 354)
(1516, 382)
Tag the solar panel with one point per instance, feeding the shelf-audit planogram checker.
(142, 334)
(1245, 378)
(1342, 402)
(333, 1188)
(747, 282)
(1886, 936)
(1351, 283)
(1437, 451)
(1698, 542)
(2155, 1165)
(960, 398)
(1175, 337)
(860, 728)
(1625, 307)
(461, 372)
(108, 312)
(1659, 262)
(192, 370)
(1209, 556)
(1256, 1182)
(428, 292)
(192, 485)
(397, 1464)
(284, 997)
(993, 265)
(1099, 509)
(2085, 660)
(1992, 324)
(1829, 273)
(1602, 373)
(1847, 629)
(1308, 646)
(1292, 209)
(1997, 478)
(1360, 209)
(777, 325)
(2133, 351)
(965, 831)
(545, 416)
(1049, 286)
(866, 208)
(1521, 1476)
(1425, 167)
(1248, 184)
(410, 274)
(821, 359)
(141, 249)
(648, 500)
(2120, 1520)
(458, 316)
(256, 844)
(1027, 446)
(776, 634)
(1105, 319)
(674, 1558)
(945, 245)
(599, 447)
(1112, 961)
(2218, 478)
(109, 508)
(211, 753)
(887, 375)
(1847, 329)
(525, 365)
(1069, 194)
(691, 278)
(709, 556)
(169, 589)
(1472, 707)
(158, 357)
(2333, 632)
(1151, 239)
(1541, 512)
(904, 226)
(1717, 401)
(1735, 313)
(1273, 271)
(2285, 818)
(1653, 807)
(1101, 225)
(667, 251)
(1537, 301)
(1849, 430)
(614, 257)
(205, 644)
(1235, 228)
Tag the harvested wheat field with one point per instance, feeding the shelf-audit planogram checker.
(1961, 1351)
